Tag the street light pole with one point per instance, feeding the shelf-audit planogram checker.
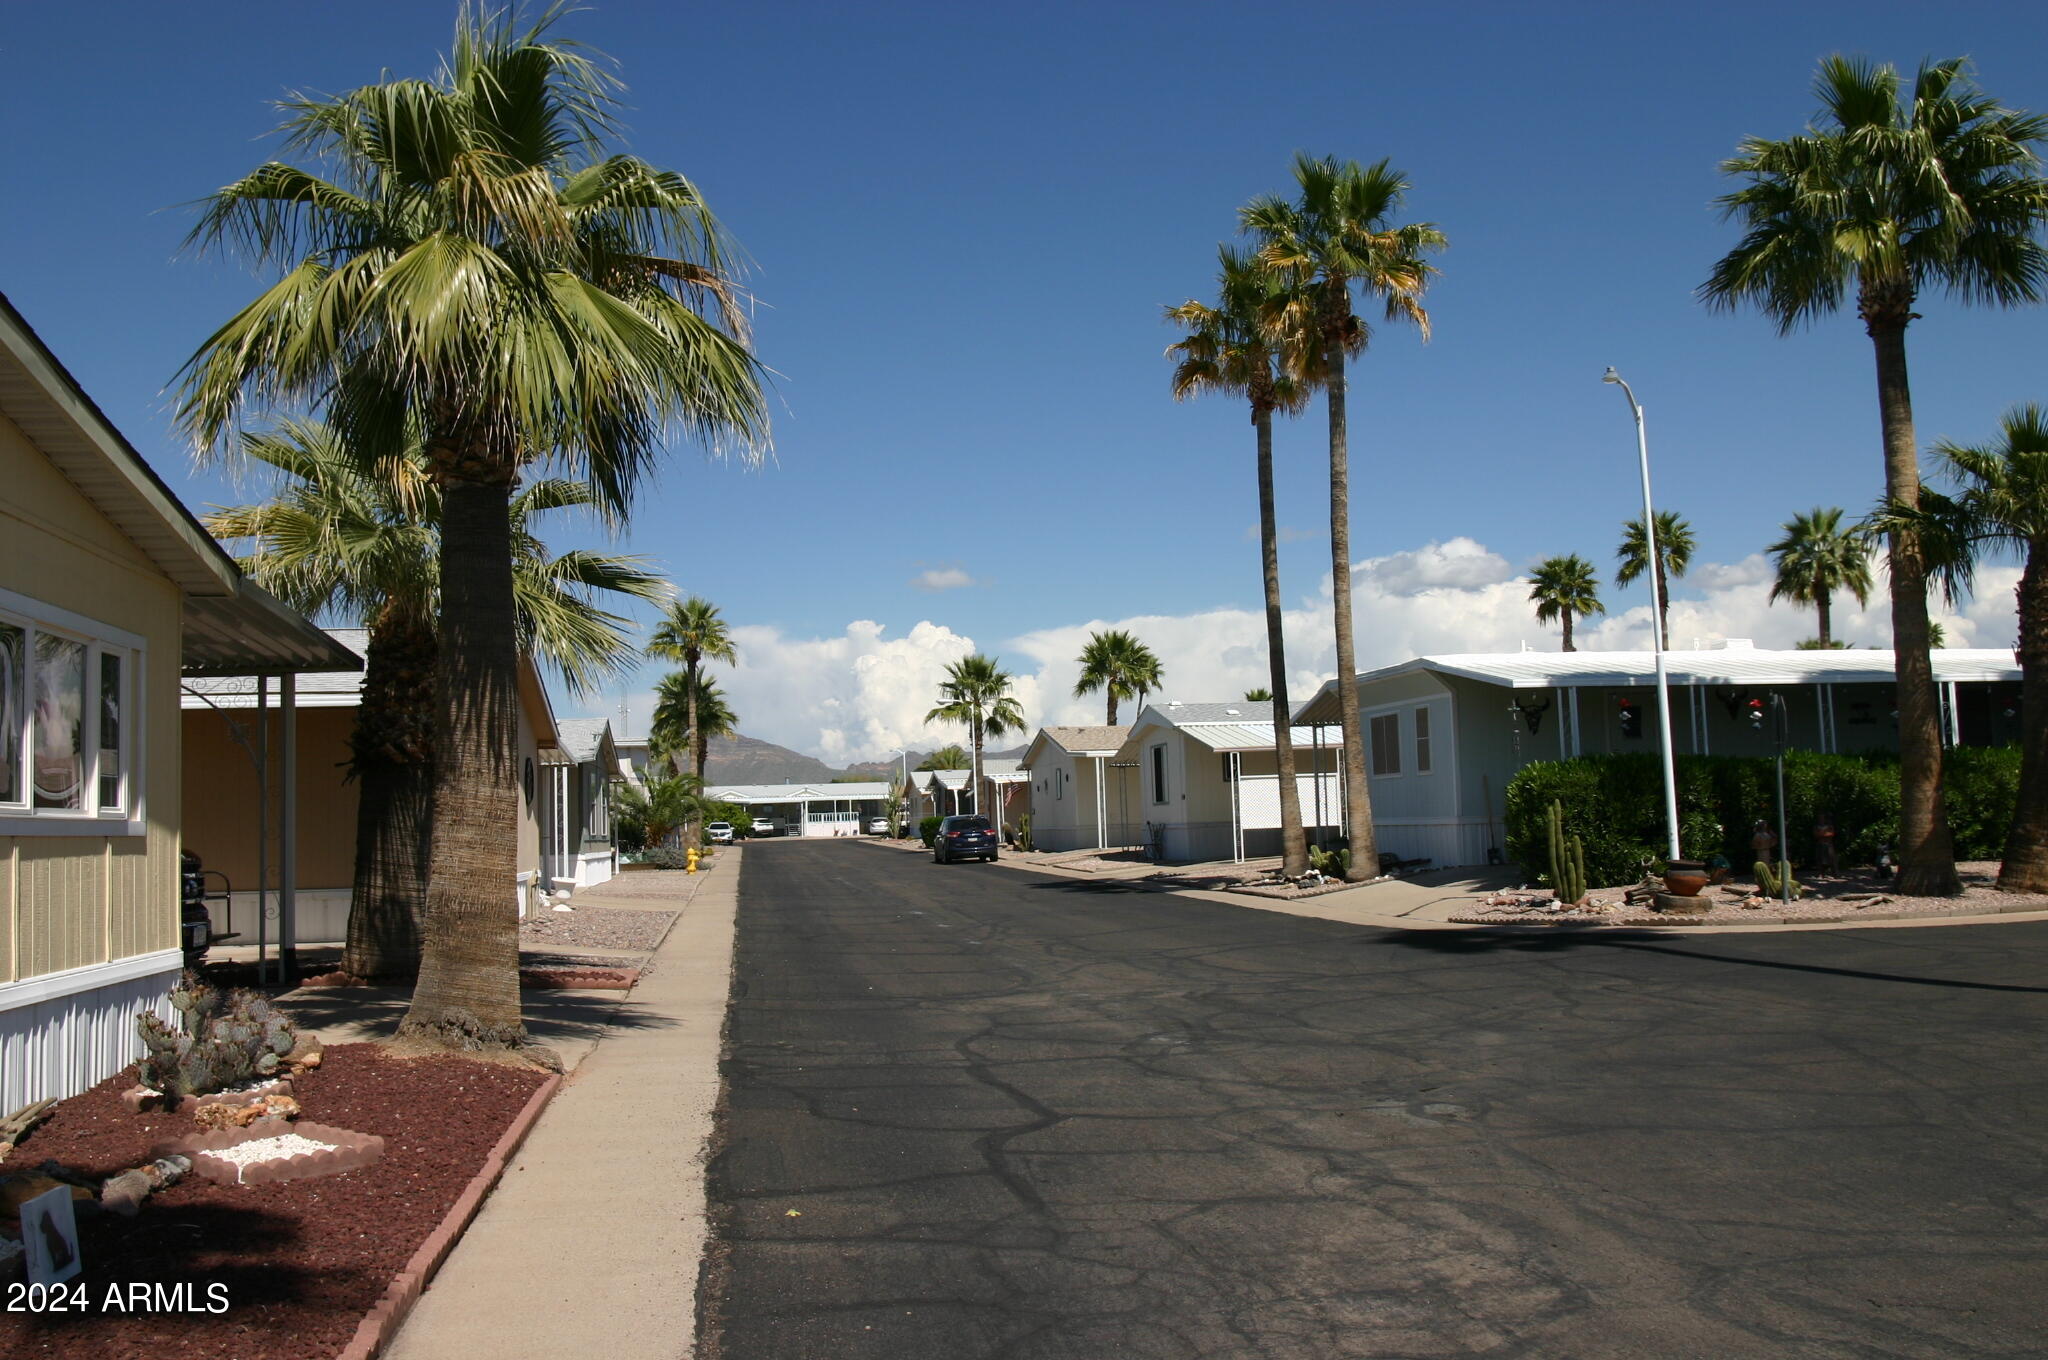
(1656, 621)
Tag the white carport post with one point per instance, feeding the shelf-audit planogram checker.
(288, 830)
(1236, 807)
(1101, 808)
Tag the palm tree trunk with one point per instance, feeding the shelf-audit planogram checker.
(1112, 704)
(1926, 853)
(1365, 859)
(1566, 615)
(2026, 847)
(392, 750)
(468, 991)
(1293, 841)
(1821, 607)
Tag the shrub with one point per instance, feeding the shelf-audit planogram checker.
(928, 829)
(662, 857)
(1616, 805)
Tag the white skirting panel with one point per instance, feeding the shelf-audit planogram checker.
(63, 1032)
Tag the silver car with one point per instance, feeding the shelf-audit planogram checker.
(878, 826)
(720, 833)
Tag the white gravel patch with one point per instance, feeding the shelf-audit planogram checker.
(245, 1155)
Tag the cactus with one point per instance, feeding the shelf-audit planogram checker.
(1768, 880)
(227, 1041)
(1567, 860)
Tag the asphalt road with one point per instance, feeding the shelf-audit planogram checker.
(972, 1112)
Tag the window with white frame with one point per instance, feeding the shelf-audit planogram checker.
(1422, 765)
(68, 696)
(1385, 744)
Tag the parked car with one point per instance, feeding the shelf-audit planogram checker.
(968, 837)
(878, 826)
(720, 833)
(767, 826)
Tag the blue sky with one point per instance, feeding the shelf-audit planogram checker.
(965, 223)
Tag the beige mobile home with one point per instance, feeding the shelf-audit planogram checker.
(1082, 796)
(1209, 786)
(110, 592)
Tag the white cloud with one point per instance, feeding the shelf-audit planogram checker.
(942, 578)
(860, 693)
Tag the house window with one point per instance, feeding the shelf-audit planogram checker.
(1422, 741)
(67, 689)
(1159, 774)
(1386, 744)
(597, 825)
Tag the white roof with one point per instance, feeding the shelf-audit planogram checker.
(1733, 665)
(797, 793)
(1248, 736)
(950, 780)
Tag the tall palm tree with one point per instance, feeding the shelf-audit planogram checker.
(1674, 555)
(345, 535)
(476, 262)
(687, 716)
(1230, 349)
(1941, 192)
(1565, 588)
(693, 632)
(976, 692)
(1336, 235)
(1119, 665)
(947, 758)
(1818, 557)
(2000, 509)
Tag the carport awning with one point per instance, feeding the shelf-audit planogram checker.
(251, 633)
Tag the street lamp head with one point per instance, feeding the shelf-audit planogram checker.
(1612, 376)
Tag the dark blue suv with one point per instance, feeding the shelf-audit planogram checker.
(963, 838)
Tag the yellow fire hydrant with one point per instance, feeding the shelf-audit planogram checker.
(690, 860)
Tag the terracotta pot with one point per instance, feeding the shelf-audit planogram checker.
(1685, 878)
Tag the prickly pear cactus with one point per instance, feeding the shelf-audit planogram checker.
(228, 1041)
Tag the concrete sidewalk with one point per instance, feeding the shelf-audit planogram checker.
(591, 1242)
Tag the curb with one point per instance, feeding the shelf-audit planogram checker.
(385, 1317)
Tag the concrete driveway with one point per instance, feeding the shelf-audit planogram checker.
(972, 1112)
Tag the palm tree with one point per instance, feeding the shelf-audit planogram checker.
(1674, 555)
(1816, 558)
(1943, 192)
(668, 803)
(976, 691)
(1258, 696)
(1565, 588)
(345, 534)
(1335, 235)
(2000, 508)
(1229, 349)
(687, 717)
(947, 758)
(1118, 664)
(693, 632)
(478, 265)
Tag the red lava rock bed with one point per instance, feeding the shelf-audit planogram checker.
(302, 1260)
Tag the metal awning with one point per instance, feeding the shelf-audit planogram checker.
(251, 633)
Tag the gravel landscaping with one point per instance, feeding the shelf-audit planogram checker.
(302, 1260)
(588, 927)
(1830, 898)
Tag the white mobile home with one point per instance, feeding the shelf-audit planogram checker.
(1082, 797)
(1444, 734)
(812, 809)
(1208, 785)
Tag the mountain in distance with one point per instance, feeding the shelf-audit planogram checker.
(749, 760)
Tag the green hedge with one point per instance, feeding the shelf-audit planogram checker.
(1616, 803)
(928, 829)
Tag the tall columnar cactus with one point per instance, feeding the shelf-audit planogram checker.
(226, 1041)
(1567, 860)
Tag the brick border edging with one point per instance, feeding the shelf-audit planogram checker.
(385, 1317)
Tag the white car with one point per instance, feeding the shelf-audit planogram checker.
(878, 826)
(766, 826)
(720, 833)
